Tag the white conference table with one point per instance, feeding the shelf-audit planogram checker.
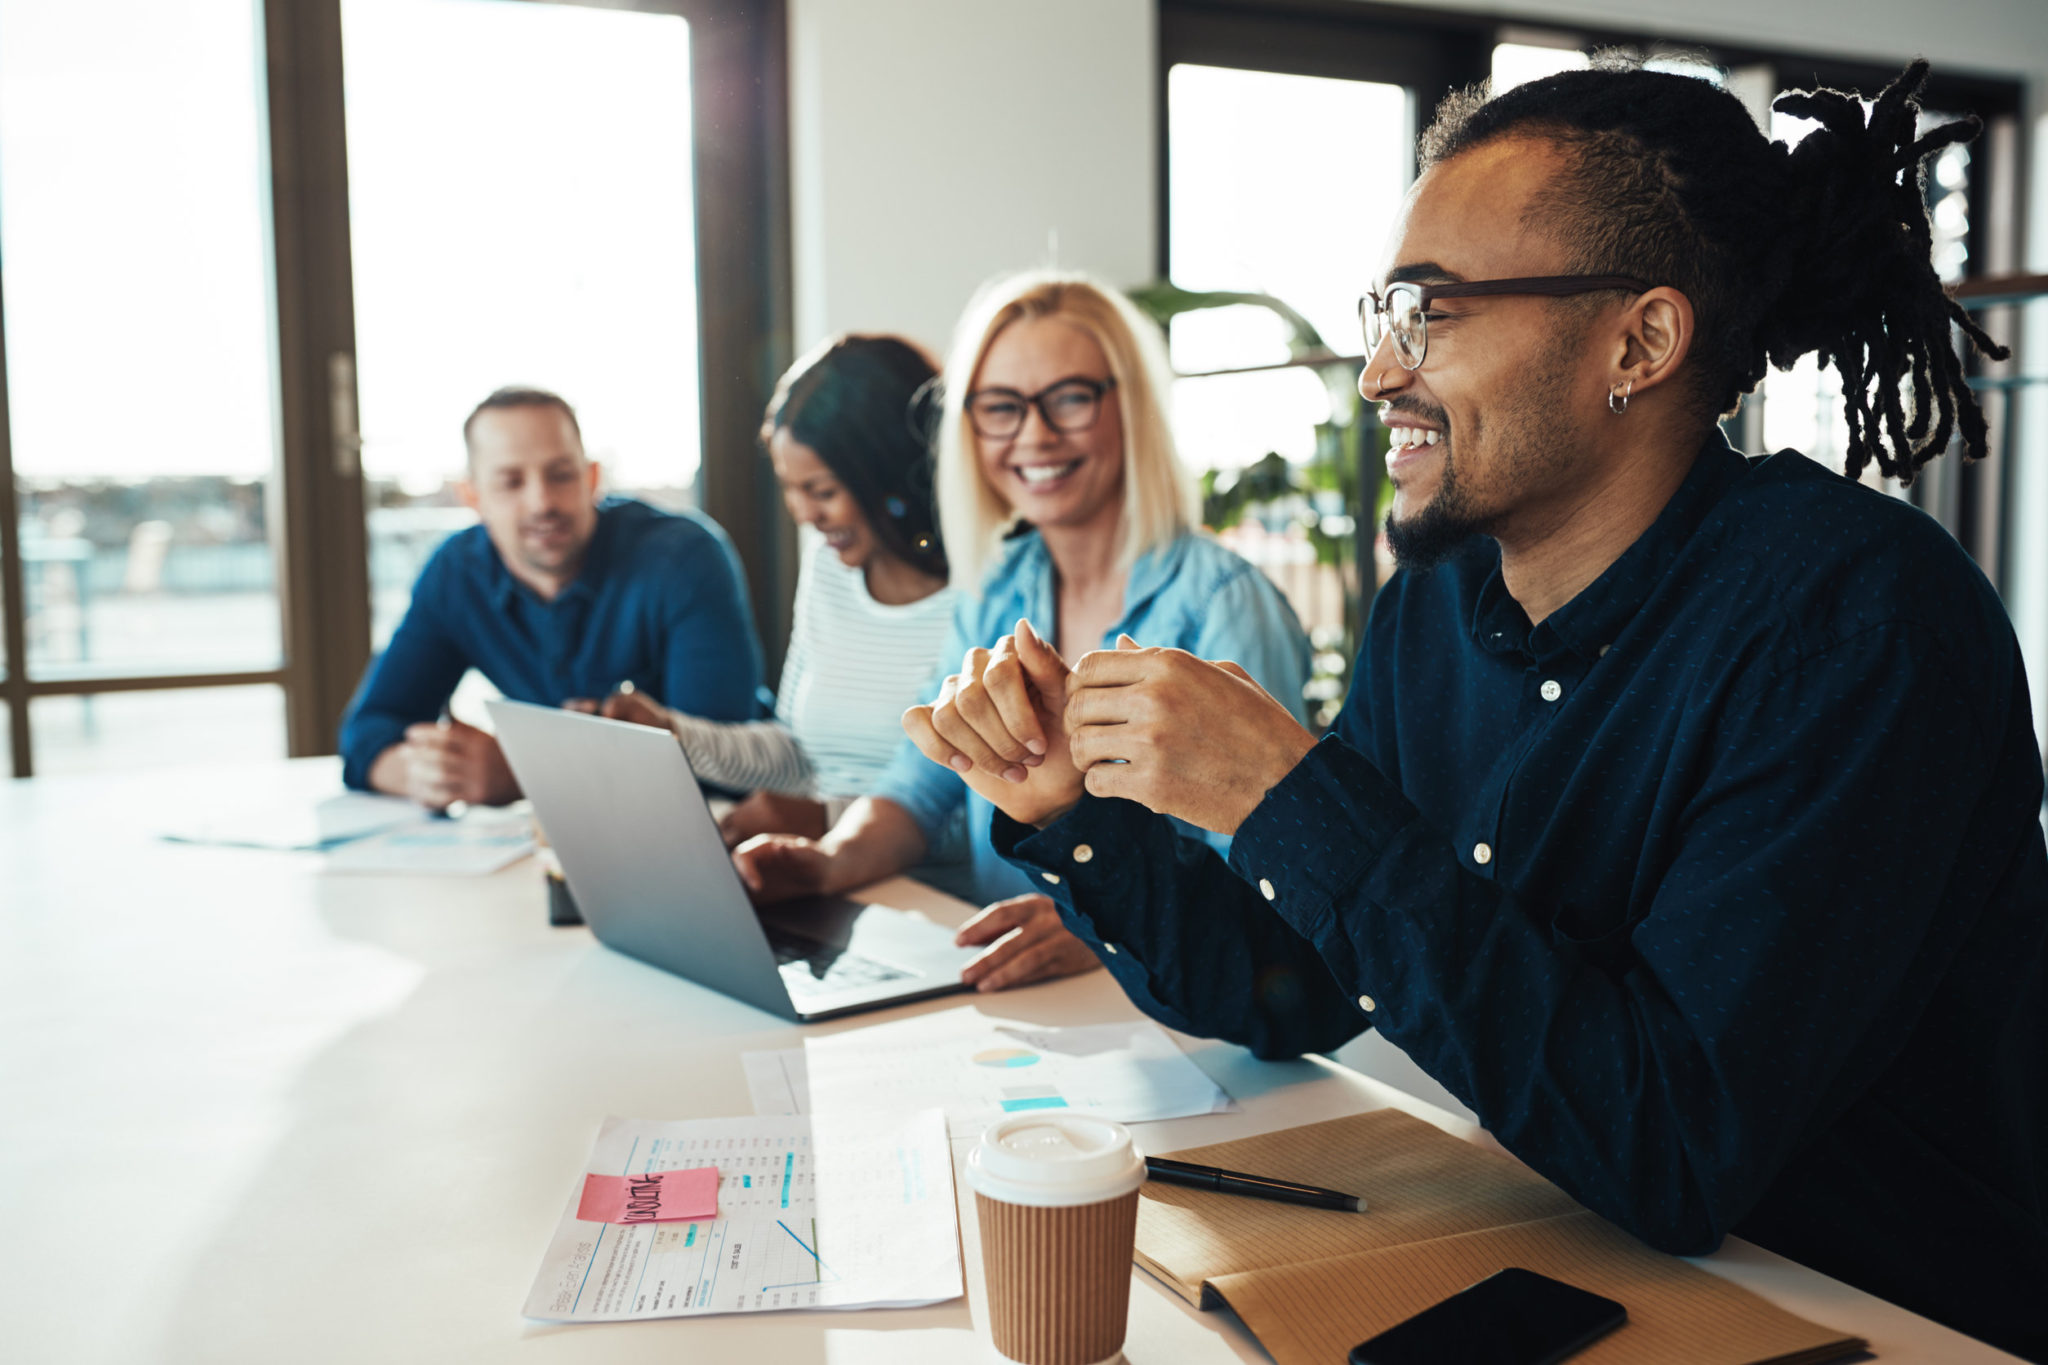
(253, 1112)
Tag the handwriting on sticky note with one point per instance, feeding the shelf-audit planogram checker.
(650, 1197)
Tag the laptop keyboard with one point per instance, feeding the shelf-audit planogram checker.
(811, 968)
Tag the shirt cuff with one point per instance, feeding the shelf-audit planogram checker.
(1085, 856)
(361, 746)
(1317, 833)
(1091, 863)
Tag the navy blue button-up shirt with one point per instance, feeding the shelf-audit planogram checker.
(1719, 895)
(660, 602)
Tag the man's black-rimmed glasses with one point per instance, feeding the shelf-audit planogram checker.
(1403, 312)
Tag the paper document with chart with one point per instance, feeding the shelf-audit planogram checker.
(340, 819)
(850, 1212)
(474, 845)
(978, 1068)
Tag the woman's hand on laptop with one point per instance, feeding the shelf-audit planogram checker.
(999, 723)
(782, 867)
(1027, 943)
(773, 813)
(636, 707)
(875, 838)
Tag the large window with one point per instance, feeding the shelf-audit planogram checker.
(520, 210)
(1289, 145)
(1259, 208)
(139, 375)
(1258, 205)
(261, 260)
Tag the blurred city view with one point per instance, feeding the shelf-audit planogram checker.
(140, 362)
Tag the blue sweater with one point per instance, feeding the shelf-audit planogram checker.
(659, 602)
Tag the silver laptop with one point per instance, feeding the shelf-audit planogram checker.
(647, 867)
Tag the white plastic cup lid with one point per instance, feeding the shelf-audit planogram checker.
(1051, 1160)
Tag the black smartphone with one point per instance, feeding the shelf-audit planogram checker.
(1514, 1318)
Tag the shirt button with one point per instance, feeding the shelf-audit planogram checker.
(1550, 689)
(1265, 888)
(1052, 877)
(1082, 853)
(1482, 854)
(1110, 948)
(1365, 1002)
(1604, 649)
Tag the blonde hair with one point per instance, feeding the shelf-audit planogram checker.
(1160, 500)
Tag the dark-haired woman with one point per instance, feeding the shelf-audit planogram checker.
(871, 596)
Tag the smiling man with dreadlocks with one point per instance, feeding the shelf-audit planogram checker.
(1684, 816)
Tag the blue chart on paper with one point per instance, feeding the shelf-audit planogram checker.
(820, 1272)
(1017, 1098)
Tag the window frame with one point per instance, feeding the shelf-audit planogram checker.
(740, 158)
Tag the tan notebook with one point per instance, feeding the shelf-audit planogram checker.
(1440, 1214)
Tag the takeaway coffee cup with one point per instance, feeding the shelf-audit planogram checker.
(1057, 1199)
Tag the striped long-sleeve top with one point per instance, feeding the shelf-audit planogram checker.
(853, 665)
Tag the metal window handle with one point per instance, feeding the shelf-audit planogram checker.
(341, 412)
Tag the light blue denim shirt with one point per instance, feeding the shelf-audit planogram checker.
(1190, 594)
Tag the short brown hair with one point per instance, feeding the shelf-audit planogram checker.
(519, 396)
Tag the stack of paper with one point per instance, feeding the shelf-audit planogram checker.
(836, 1213)
(338, 820)
(475, 845)
(978, 1068)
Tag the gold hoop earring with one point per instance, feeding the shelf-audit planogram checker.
(1619, 408)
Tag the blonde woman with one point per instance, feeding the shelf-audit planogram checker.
(1061, 502)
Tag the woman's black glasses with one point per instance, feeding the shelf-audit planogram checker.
(1070, 405)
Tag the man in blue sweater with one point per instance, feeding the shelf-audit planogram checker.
(557, 596)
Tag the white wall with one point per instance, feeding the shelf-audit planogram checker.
(935, 143)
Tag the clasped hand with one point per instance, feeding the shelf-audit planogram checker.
(452, 761)
(1179, 735)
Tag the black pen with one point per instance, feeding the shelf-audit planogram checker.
(447, 718)
(1253, 1186)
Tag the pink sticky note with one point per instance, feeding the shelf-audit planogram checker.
(651, 1197)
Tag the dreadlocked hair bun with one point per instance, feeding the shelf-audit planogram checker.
(1860, 287)
(1783, 252)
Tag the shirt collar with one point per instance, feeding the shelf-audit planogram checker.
(504, 589)
(1150, 575)
(1027, 565)
(499, 584)
(1590, 621)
